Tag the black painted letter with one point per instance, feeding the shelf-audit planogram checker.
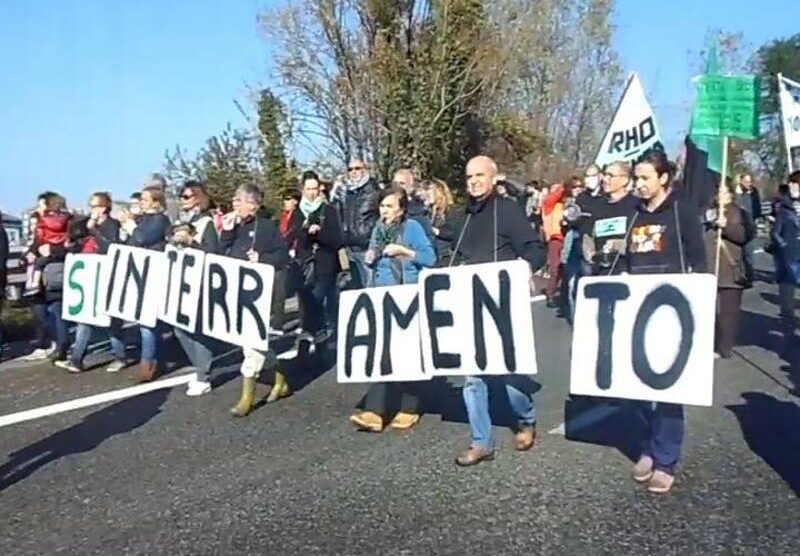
(662, 295)
(501, 314)
(607, 295)
(216, 296)
(351, 340)
(141, 281)
(391, 312)
(439, 319)
(188, 261)
(248, 298)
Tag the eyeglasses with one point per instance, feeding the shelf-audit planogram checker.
(354, 168)
(96, 206)
(609, 175)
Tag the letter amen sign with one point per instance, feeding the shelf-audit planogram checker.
(476, 320)
(645, 337)
(84, 290)
(379, 336)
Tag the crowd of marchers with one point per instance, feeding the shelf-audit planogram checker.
(360, 233)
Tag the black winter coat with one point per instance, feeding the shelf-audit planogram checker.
(515, 237)
(260, 234)
(358, 213)
(327, 241)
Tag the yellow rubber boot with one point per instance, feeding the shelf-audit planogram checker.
(280, 389)
(245, 404)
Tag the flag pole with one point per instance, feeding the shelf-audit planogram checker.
(720, 209)
(781, 88)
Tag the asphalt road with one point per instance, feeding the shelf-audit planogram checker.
(162, 473)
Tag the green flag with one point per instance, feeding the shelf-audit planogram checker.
(726, 105)
(709, 144)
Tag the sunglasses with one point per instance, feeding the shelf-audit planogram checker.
(187, 196)
(353, 168)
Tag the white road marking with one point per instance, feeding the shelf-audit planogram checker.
(585, 419)
(89, 401)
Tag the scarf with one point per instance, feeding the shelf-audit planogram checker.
(384, 235)
(310, 207)
(352, 186)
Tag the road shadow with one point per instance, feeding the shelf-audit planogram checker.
(119, 418)
(621, 427)
(766, 332)
(444, 398)
(770, 429)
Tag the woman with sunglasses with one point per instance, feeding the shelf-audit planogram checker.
(196, 229)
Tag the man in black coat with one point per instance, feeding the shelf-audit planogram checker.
(357, 204)
(494, 229)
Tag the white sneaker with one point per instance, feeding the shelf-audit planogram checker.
(68, 365)
(38, 354)
(115, 366)
(198, 388)
(52, 349)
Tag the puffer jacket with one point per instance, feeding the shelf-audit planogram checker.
(358, 212)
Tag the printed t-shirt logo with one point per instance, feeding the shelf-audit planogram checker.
(648, 238)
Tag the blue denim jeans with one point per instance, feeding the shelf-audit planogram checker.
(476, 398)
(199, 351)
(49, 316)
(151, 343)
(84, 333)
(663, 436)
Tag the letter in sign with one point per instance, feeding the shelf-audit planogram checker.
(237, 301)
(181, 300)
(135, 287)
(379, 336)
(84, 290)
(476, 320)
(646, 337)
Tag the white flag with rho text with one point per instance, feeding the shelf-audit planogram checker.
(633, 131)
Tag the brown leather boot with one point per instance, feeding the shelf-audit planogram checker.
(524, 438)
(147, 371)
(473, 456)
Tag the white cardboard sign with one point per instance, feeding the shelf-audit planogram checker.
(645, 337)
(379, 337)
(237, 298)
(84, 289)
(476, 320)
(182, 291)
(135, 285)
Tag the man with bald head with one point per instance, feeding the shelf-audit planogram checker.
(494, 229)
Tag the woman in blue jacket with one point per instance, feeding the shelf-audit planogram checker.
(149, 232)
(398, 249)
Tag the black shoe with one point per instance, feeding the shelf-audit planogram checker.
(57, 355)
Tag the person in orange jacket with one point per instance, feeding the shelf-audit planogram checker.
(552, 216)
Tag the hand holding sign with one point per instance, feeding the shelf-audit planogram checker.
(394, 250)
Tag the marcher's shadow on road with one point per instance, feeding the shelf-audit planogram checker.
(756, 329)
(770, 428)
(119, 418)
(619, 425)
(442, 397)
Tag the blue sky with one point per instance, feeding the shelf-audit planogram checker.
(94, 91)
